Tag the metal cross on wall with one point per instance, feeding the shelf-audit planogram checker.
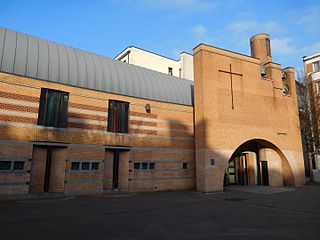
(231, 73)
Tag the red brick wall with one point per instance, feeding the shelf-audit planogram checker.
(38, 166)
(15, 182)
(80, 181)
(58, 166)
(165, 134)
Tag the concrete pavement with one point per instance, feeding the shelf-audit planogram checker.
(233, 214)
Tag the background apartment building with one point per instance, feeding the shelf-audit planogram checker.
(182, 68)
(312, 70)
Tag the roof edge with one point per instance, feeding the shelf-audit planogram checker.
(148, 51)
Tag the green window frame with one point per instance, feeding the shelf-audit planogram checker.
(53, 110)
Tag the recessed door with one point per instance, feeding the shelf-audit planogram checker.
(264, 173)
(115, 178)
(47, 173)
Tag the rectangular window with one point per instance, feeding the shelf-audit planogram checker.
(151, 165)
(136, 166)
(18, 165)
(170, 71)
(75, 166)
(118, 116)
(5, 165)
(94, 166)
(11, 165)
(268, 47)
(316, 66)
(144, 166)
(85, 166)
(185, 165)
(53, 110)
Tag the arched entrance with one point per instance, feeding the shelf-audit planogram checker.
(258, 162)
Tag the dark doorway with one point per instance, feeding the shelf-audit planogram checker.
(264, 173)
(115, 178)
(47, 170)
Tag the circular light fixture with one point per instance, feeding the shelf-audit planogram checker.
(148, 108)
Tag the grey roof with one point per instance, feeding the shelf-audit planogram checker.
(25, 55)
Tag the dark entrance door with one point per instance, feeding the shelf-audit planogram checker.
(264, 173)
(115, 178)
(47, 170)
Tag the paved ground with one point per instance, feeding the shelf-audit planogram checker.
(233, 214)
(260, 189)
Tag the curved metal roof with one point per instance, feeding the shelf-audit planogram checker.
(25, 55)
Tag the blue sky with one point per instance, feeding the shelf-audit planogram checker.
(168, 27)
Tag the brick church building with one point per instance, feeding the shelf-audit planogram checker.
(74, 122)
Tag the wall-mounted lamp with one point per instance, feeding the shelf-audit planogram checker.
(148, 108)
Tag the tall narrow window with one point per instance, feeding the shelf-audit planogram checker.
(53, 110)
(268, 47)
(118, 116)
(170, 71)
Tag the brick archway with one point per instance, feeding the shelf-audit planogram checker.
(279, 170)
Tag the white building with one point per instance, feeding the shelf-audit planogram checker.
(182, 68)
(312, 66)
(312, 69)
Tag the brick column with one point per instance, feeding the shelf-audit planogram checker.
(57, 171)
(124, 170)
(251, 160)
(38, 166)
(274, 166)
(108, 168)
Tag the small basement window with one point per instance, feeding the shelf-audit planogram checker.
(136, 166)
(144, 166)
(94, 166)
(5, 165)
(75, 166)
(11, 165)
(18, 165)
(85, 166)
(151, 166)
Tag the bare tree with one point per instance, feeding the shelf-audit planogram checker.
(308, 100)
